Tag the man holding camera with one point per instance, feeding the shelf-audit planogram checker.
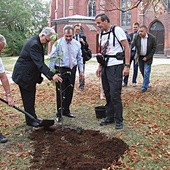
(111, 73)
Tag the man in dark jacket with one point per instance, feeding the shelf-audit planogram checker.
(145, 44)
(28, 69)
(132, 59)
(84, 45)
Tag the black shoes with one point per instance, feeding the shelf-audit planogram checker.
(119, 126)
(143, 90)
(58, 116)
(106, 121)
(3, 139)
(33, 124)
(81, 88)
(69, 115)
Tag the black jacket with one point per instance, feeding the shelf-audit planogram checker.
(151, 47)
(83, 46)
(30, 64)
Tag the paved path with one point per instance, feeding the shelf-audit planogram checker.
(92, 65)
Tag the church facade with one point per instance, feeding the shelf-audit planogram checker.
(83, 12)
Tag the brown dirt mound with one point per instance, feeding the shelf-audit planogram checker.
(74, 149)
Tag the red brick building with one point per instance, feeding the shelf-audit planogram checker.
(64, 12)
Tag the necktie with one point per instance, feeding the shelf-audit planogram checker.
(77, 37)
(70, 57)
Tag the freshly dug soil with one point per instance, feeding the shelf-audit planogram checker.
(74, 149)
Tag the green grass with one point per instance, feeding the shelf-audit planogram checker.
(9, 62)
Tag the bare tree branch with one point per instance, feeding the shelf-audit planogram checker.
(113, 3)
(145, 3)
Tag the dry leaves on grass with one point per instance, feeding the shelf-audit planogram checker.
(146, 122)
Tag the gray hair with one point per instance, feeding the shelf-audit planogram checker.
(2, 39)
(47, 31)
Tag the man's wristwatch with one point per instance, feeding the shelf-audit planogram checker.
(127, 65)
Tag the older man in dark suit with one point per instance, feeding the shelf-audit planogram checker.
(28, 69)
(145, 44)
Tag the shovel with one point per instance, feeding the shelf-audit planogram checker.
(42, 123)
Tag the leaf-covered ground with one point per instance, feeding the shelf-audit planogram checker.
(144, 140)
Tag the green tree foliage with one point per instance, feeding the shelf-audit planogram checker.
(20, 19)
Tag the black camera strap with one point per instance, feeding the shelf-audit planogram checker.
(107, 42)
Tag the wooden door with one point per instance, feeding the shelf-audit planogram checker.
(157, 29)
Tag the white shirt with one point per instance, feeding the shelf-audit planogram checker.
(112, 50)
(2, 69)
(144, 45)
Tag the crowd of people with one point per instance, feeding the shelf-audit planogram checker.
(115, 56)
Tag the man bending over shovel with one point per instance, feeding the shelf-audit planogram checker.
(28, 69)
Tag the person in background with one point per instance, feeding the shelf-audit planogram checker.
(145, 44)
(84, 45)
(113, 70)
(28, 69)
(69, 50)
(132, 59)
(5, 84)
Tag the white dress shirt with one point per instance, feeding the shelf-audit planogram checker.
(144, 45)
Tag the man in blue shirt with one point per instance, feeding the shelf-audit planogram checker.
(66, 55)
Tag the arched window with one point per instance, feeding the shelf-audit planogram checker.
(125, 16)
(92, 8)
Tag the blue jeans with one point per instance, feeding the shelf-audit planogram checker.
(145, 70)
(135, 69)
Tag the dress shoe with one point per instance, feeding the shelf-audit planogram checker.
(124, 84)
(143, 90)
(58, 118)
(69, 115)
(33, 124)
(3, 139)
(81, 88)
(119, 126)
(134, 84)
(106, 121)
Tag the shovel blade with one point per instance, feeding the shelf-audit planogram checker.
(46, 123)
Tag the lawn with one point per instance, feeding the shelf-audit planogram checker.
(146, 119)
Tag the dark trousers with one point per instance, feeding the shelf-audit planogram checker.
(112, 86)
(135, 69)
(28, 99)
(65, 89)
